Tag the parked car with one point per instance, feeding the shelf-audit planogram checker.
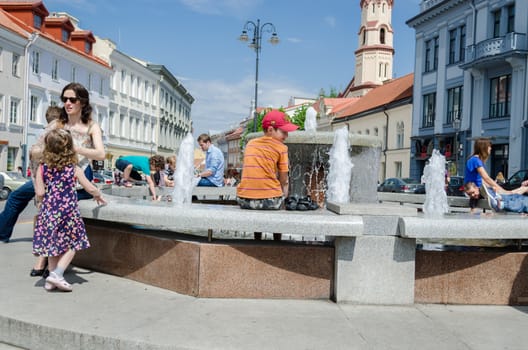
(515, 180)
(456, 186)
(395, 184)
(102, 177)
(12, 181)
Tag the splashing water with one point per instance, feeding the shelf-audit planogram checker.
(434, 177)
(184, 179)
(340, 171)
(310, 122)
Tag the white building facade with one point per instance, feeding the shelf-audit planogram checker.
(13, 43)
(131, 125)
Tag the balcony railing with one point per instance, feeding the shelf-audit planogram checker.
(496, 46)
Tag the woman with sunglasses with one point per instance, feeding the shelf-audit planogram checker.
(87, 136)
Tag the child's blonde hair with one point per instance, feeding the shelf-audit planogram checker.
(58, 149)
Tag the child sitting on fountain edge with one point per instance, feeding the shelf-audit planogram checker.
(264, 183)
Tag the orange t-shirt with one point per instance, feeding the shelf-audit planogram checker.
(264, 158)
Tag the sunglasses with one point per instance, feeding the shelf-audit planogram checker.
(72, 99)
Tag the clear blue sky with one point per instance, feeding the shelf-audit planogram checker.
(197, 41)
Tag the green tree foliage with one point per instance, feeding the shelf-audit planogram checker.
(297, 119)
(333, 93)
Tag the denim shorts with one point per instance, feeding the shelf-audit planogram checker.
(121, 164)
(260, 204)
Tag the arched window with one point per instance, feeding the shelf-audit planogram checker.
(383, 8)
(373, 8)
(364, 37)
(380, 69)
(382, 35)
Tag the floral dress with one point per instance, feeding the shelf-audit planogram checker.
(59, 225)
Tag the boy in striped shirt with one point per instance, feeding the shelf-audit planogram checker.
(264, 183)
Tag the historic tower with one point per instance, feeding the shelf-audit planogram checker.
(375, 52)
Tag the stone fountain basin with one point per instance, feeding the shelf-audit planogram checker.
(201, 217)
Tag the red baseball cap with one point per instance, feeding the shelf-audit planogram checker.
(277, 119)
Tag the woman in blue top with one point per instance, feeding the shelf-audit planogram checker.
(475, 171)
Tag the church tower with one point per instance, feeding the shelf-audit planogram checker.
(374, 56)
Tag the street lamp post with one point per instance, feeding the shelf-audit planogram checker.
(456, 127)
(255, 44)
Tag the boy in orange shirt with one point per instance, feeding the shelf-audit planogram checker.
(264, 183)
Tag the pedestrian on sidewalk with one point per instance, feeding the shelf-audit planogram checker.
(59, 229)
(76, 116)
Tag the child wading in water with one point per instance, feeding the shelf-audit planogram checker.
(59, 230)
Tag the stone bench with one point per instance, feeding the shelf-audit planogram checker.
(465, 227)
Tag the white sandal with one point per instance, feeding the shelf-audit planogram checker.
(59, 283)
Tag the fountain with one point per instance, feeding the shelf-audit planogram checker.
(434, 178)
(310, 121)
(184, 179)
(340, 171)
(368, 256)
(309, 154)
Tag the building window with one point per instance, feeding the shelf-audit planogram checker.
(398, 169)
(73, 74)
(33, 108)
(35, 62)
(123, 81)
(400, 131)
(65, 35)
(101, 86)
(452, 46)
(2, 109)
(429, 106)
(496, 23)
(37, 21)
(14, 65)
(1, 59)
(111, 123)
(431, 55)
(500, 96)
(376, 131)
(435, 54)
(462, 44)
(55, 69)
(89, 87)
(364, 37)
(511, 19)
(122, 130)
(13, 111)
(87, 47)
(11, 156)
(382, 36)
(454, 104)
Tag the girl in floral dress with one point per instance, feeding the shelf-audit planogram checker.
(59, 229)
